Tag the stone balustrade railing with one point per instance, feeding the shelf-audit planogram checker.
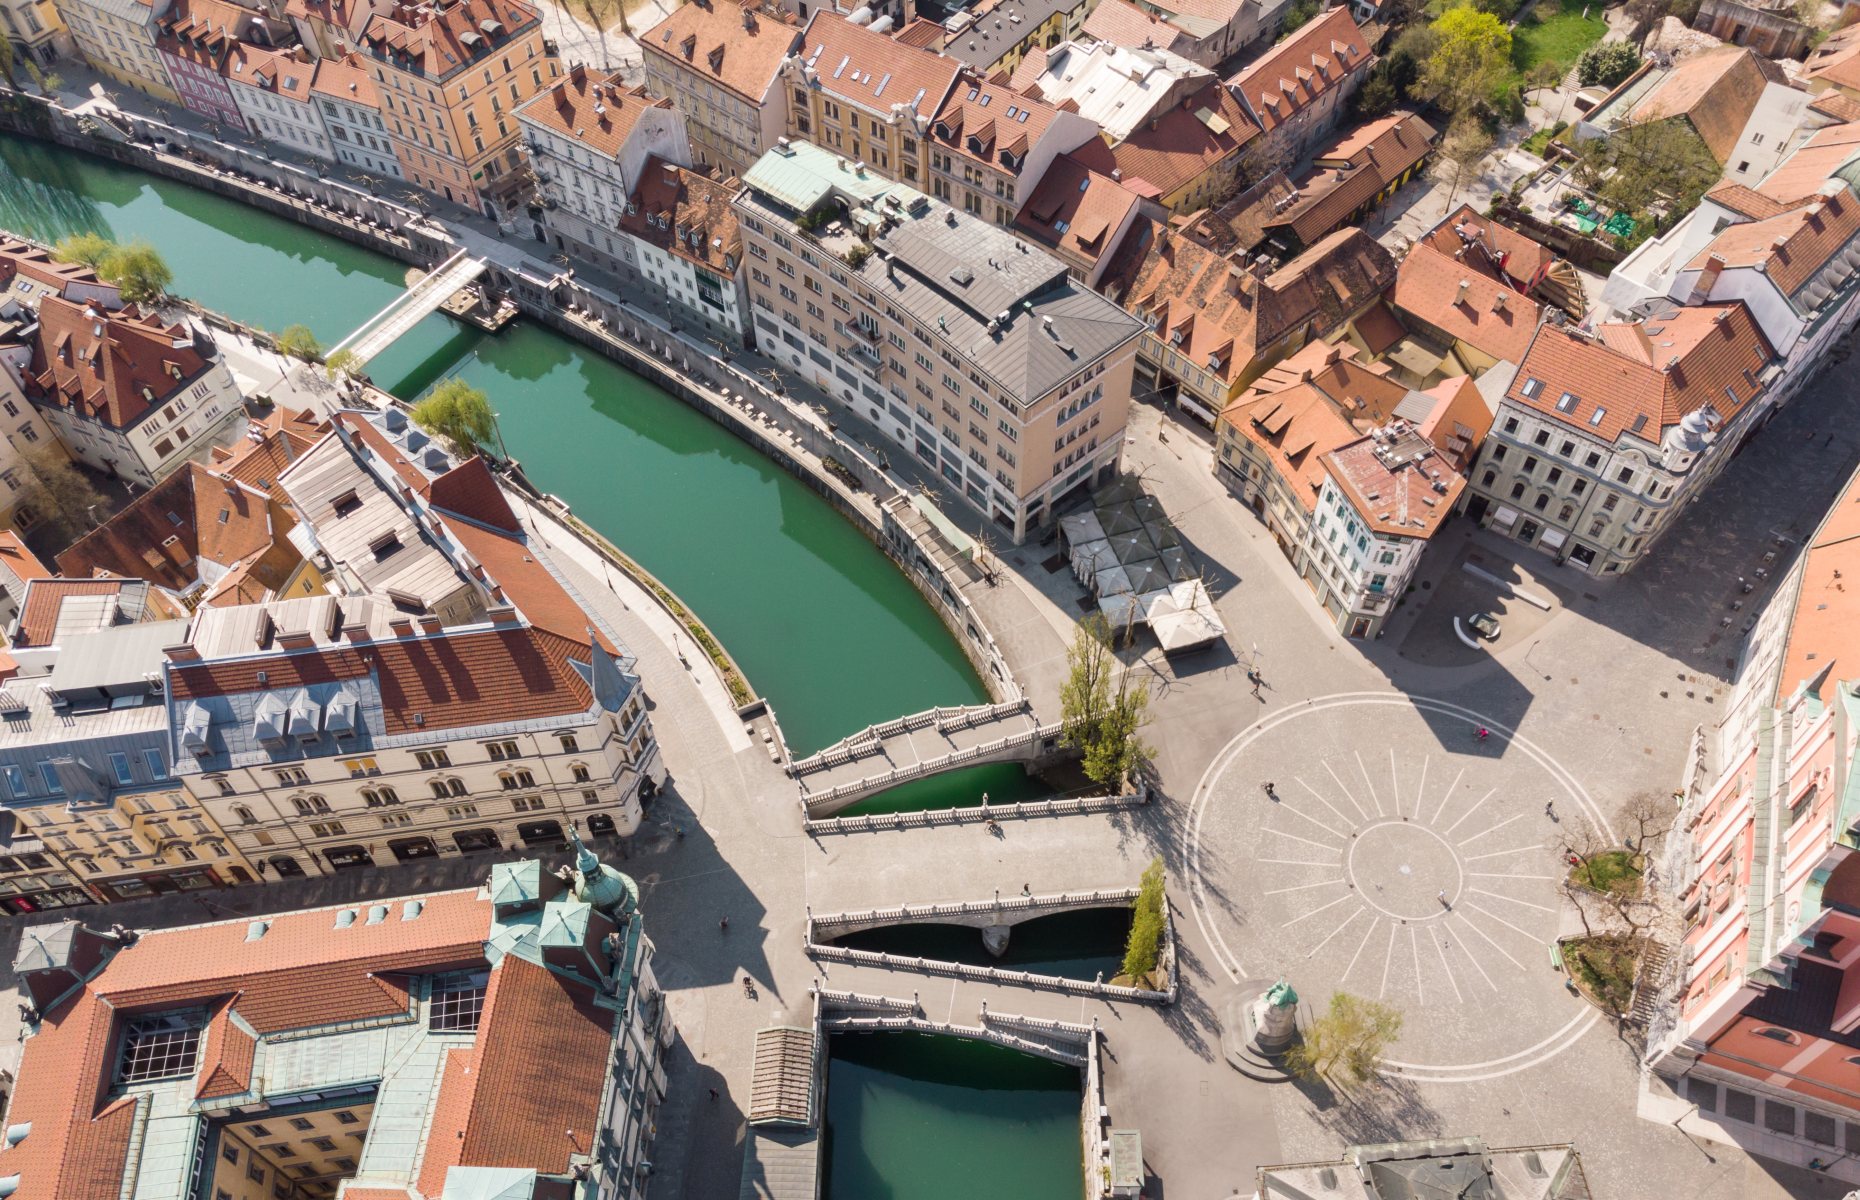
(1035, 1046)
(1020, 810)
(936, 766)
(830, 998)
(1026, 979)
(871, 738)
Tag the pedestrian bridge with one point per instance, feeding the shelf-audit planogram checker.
(920, 746)
(409, 308)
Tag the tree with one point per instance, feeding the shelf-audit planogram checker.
(1502, 9)
(138, 271)
(1100, 721)
(1146, 925)
(1346, 1045)
(1638, 165)
(1607, 63)
(7, 65)
(1297, 15)
(1470, 60)
(298, 342)
(459, 413)
(1464, 148)
(90, 249)
(60, 495)
(343, 363)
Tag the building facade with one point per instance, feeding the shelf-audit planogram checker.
(36, 28)
(117, 37)
(588, 139)
(351, 112)
(683, 240)
(276, 94)
(718, 63)
(1297, 91)
(450, 78)
(965, 345)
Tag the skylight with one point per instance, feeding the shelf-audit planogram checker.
(165, 1046)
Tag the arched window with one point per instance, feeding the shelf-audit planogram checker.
(1778, 1035)
(580, 772)
(245, 815)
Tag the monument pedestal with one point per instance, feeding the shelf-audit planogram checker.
(1259, 1027)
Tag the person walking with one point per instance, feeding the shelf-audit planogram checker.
(1271, 793)
(1442, 896)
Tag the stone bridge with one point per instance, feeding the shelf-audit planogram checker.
(1066, 1042)
(995, 918)
(920, 746)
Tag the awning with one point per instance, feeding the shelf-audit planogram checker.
(1505, 515)
(1553, 538)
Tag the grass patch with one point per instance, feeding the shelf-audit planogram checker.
(1556, 33)
(1616, 871)
(1603, 968)
(1539, 143)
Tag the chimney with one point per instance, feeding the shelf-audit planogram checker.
(430, 623)
(183, 653)
(356, 633)
(1707, 280)
(295, 639)
(503, 616)
(401, 625)
(1459, 297)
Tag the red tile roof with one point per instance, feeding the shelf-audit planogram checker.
(226, 1056)
(279, 72)
(1641, 377)
(1204, 132)
(433, 39)
(1825, 631)
(97, 364)
(1836, 62)
(1792, 247)
(269, 447)
(449, 680)
(1352, 171)
(1314, 61)
(1744, 201)
(38, 611)
(1487, 314)
(1838, 105)
(470, 490)
(873, 71)
(989, 123)
(597, 110)
(16, 558)
(1398, 501)
(1090, 207)
(164, 532)
(1809, 166)
(696, 221)
(730, 47)
(1716, 91)
(513, 571)
(346, 79)
(36, 263)
(1124, 24)
(1490, 248)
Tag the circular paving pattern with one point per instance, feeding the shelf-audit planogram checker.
(1372, 843)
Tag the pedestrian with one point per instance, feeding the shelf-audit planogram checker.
(1442, 896)
(713, 1093)
(1026, 889)
(1550, 809)
(1271, 793)
(723, 926)
(1484, 733)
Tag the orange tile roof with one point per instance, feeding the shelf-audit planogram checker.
(1800, 176)
(279, 72)
(989, 123)
(470, 490)
(515, 574)
(1313, 62)
(1641, 377)
(1744, 201)
(1836, 61)
(1399, 501)
(1792, 247)
(1352, 171)
(1177, 145)
(1491, 248)
(1295, 427)
(696, 220)
(1838, 105)
(36, 263)
(16, 558)
(1090, 207)
(269, 447)
(1379, 327)
(1124, 24)
(38, 611)
(733, 48)
(448, 681)
(97, 364)
(165, 531)
(873, 71)
(922, 33)
(346, 79)
(226, 1057)
(431, 39)
(597, 110)
(1487, 314)
(1825, 630)
(1716, 91)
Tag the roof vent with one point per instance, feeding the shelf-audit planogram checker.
(15, 1134)
(256, 930)
(377, 913)
(412, 909)
(345, 918)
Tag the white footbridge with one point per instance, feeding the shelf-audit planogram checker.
(411, 307)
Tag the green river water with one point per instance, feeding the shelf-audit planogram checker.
(819, 620)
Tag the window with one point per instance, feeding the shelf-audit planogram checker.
(327, 829)
(119, 766)
(1595, 418)
(357, 767)
(345, 1117)
(157, 765)
(1517, 491)
(302, 1125)
(1511, 423)
(580, 772)
(456, 812)
(1498, 453)
(379, 797)
(431, 759)
(49, 774)
(1530, 463)
(292, 775)
(308, 806)
(164, 1046)
(323, 1144)
(244, 814)
(1593, 461)
(503, 750)
(568, 743)
(456, 1000)
(1566, 403)
(1542, 438)
(527, 804)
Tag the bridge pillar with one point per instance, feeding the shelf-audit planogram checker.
(995, 939)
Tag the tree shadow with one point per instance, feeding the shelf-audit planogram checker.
(1192, 1019)
(1386, 1109)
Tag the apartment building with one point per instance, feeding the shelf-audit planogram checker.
(862, 95)
(276, 94)
(718, 63)
(1216, 321)
(1296, 92)
(1602, 438)
(84, 755)
(125, 393)
(989, 147)
(1205, 32)
(117, 37)
(1788, 247)
(1755, 1038)
(351, 112)
(1473, 292)
(1351, 177)
(1083, 216)
(965, 345)
(194, 38)
(589, 139)
(36, 29)
(332, 28)
(682, 236)
(1352, 472)
(506, 1039)
(450, 77)
(27, 275)
(995, 35)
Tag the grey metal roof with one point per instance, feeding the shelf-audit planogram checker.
(117, 657)
(986, 39)
(781, 1164)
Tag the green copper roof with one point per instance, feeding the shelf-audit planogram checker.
(600, 885)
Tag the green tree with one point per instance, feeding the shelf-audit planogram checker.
(7, 64)
(1464, 148)
(1102, 708)
(1146, 924)
(1607, 63)
(87, 248)
(138, 270)
(1345, 1046)
(459, 413)
(343, 363)
(1470, 60)
(1297, 15)
(298, 342)
(1639, 165)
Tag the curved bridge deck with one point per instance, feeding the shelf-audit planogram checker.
(917, 747)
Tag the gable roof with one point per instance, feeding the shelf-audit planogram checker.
(105, 366)
(1124, 24)
(1643, 377)
(279, 72)
(730, 46)
(1075, 209)
(1491, 248)
(346, 79)
(989, 123)
(694, 219)
(599, 111)
(1485, 313)
(17, 563)
(1801, 176)
(1352, 171)
(1178, 144)
(1716, 91)
(440, 42)
(269, 446)
(1836, 62)
(44, 602)
(1791, 247)
(853, 64)
(1313, 62)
